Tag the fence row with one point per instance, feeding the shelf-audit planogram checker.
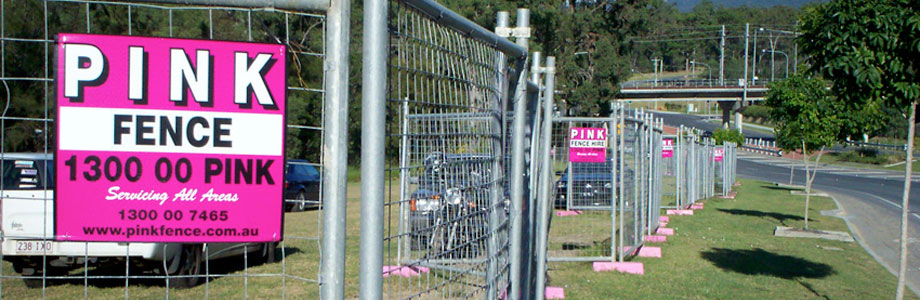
(468, 172)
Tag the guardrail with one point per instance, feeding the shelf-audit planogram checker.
(693, 83)
(902, 147)
(767, 151)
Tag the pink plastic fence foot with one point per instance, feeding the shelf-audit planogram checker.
(567, 213)
(647, 251)
(656, 238)
(664, 219)
(679, 212)
(665, 231)
(622, 267)
(555, 292)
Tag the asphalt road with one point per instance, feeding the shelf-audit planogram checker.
(871, 207)
(700, 122)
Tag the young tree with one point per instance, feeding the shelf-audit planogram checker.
(870, 49)
(805, 117)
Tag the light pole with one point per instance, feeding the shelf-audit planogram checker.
(707, 68)
(754, 65)
(786, 57)
(655, 61)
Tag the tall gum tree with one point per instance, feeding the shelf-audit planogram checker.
(870, 49)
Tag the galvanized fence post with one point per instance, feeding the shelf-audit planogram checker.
(517, 161)
(336, 153)
(373, 122)
(546, 176)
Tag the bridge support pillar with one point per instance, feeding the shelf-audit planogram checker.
(727, 108)
(739, 119)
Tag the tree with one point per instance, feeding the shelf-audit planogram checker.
(805, 117)
(870, 49)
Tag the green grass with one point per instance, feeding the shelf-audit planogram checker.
(728, 251)
(302, 261)
(845, 159)
(755, 264)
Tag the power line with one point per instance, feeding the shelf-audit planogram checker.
(686, 39)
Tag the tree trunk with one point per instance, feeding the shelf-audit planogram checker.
(908, 165)
(791, 173)
(807, 185)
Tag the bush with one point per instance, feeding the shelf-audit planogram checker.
(869, 156)
(725, 135)
(759, 113)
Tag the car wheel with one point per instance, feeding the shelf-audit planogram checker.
(301, 204)
(187, 276)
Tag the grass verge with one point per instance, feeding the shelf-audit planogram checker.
(728, 251)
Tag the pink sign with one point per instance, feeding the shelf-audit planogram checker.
(168, 140)
(718, 154)
(667, 148)
(587, 144)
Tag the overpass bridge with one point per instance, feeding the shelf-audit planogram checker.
(731, 98)
(693, 90)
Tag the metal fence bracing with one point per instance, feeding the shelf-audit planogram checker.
(308, 259)
(445, 206)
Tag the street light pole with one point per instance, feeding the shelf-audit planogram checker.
(722, 59)
(707, 68)
(754, 65)
(656, 61)
(786, 57)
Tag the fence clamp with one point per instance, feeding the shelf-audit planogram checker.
(515, 32)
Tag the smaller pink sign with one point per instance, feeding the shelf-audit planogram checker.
(667, 148)
(718, 154)
(587, 144)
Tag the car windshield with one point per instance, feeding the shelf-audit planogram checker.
(27, 174)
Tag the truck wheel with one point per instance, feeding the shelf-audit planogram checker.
(190, 265)
(36, 273)
(267, 255)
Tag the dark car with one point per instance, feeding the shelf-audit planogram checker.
(301, 185)
(593, 185)
(448, 215)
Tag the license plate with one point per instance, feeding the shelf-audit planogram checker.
(34, 247)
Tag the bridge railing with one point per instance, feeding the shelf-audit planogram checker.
(693, 83)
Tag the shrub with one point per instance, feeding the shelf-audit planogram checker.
(758, 112)
(726, 135)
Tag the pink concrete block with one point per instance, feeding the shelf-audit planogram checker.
(403, 271)
(554, 292)
(647, 251)
(622, 267)
(664, 219)
(696, 207)
(727, 197)
(665, 231)
(662, 224)
(567, 213)
(656, 238)
(679, 212)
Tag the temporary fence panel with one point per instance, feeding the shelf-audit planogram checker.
(631, 212)
(446, 210)
(655, 171)
(670, 170)
(718, 169)
(28, 31)
(584, 184)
